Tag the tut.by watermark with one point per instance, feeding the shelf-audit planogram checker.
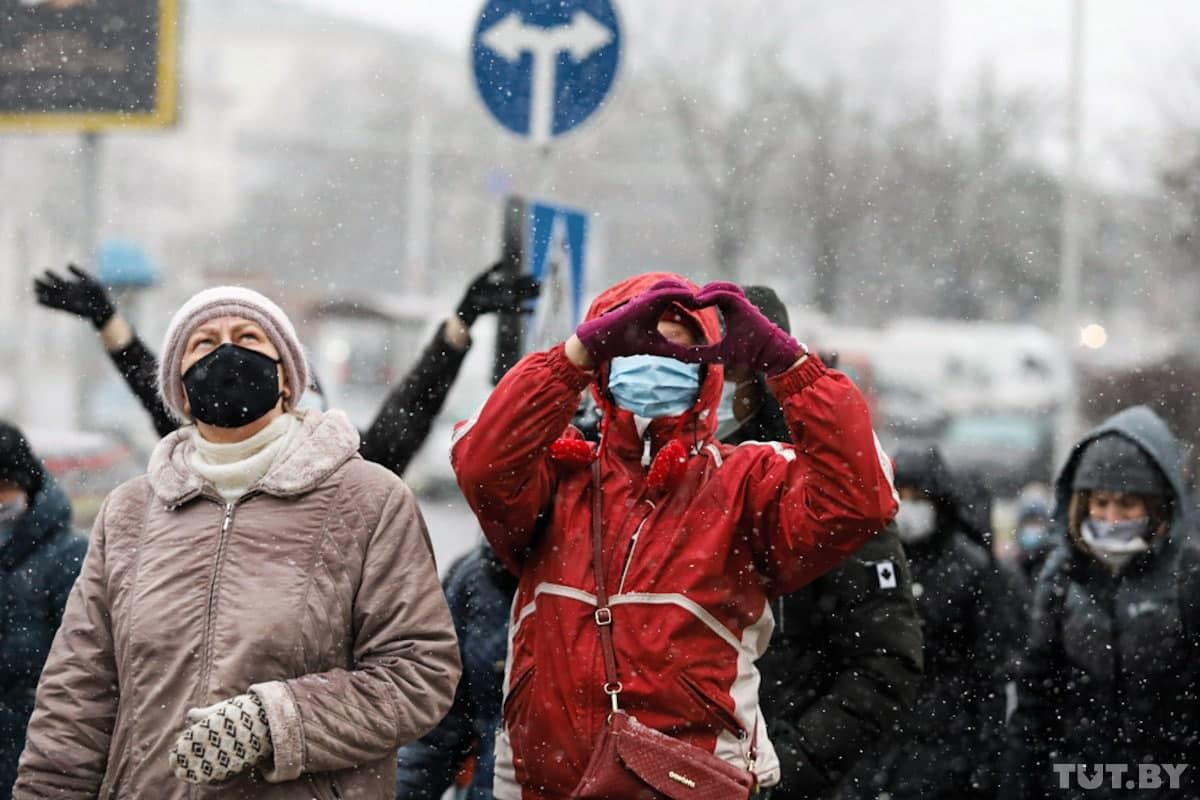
(1119, 776)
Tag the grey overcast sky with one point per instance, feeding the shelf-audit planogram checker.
(1141, 67)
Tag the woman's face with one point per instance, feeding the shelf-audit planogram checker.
(1108, 506)
(676, 332)
(229, 330)
(10, 492)
(225, 330)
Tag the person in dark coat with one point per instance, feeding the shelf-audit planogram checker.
(40, 557)
(1112, 675)
(479, 590)
(950, 744)
(404, 421)
(1033, 537)
(845, 659)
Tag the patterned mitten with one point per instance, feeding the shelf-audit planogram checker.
(230, 737)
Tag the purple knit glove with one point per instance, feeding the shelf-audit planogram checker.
(750, 338)
(632, 329)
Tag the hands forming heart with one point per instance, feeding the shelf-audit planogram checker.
(750, 338)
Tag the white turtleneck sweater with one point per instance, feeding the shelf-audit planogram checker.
(233, 468)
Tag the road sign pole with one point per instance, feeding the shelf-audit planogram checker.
(1070, 256)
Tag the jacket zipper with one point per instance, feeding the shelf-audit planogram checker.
(1116, 646)
(632, 546)
(212, 595)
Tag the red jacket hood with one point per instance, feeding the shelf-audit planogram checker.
(695, 426)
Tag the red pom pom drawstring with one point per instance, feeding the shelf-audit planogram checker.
(573, 454)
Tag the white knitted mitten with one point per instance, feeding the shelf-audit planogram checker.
(230, 737)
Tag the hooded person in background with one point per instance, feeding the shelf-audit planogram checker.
(1032, 538)
(695, 537)
(845, 660)
(950, 744)
(40, 556)
(403, 422)
(1112, 676)
(479, 591)
(259, 616)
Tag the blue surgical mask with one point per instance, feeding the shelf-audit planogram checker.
(726, 420)
(653, 386)
(1032, 537)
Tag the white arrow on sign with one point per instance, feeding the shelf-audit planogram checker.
(510, 37)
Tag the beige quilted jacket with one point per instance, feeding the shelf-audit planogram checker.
(317, 590)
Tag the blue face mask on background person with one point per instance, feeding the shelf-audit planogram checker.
(653, 386)
(1032, 537)
(726, 419)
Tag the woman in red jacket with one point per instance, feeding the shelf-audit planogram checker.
(697, 537)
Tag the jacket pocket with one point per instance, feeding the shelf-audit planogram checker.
(324, 787)
(718, 715)
(524, 731)
(519, 689)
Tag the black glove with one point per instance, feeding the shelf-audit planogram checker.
(496, 290)
(83, 297)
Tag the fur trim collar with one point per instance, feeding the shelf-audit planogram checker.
(326, 441)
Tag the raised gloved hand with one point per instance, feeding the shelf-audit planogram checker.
(750, 338)
(632, 329)
(496, 290)
(84, 297)
(224, 740)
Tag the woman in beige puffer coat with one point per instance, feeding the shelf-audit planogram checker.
(260, 615)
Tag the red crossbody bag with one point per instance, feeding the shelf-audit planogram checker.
(632, 761)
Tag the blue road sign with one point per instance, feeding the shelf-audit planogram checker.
(557, 258)
(542, 67)
(125, 265)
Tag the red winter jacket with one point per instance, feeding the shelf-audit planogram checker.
(691, 568)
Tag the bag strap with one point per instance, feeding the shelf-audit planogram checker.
(603, 615)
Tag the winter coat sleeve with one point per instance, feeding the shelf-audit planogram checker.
(501, 455)
(407, 415)
(811, 506)
(876, 637)
(139, 367)
(1034, 729)
(426, 768)
(67, 742)
(405, 654)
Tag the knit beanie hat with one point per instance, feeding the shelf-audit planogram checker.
(229, 301)
(18, 465)
(766, 301)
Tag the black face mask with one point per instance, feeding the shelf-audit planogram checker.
(232, 386)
